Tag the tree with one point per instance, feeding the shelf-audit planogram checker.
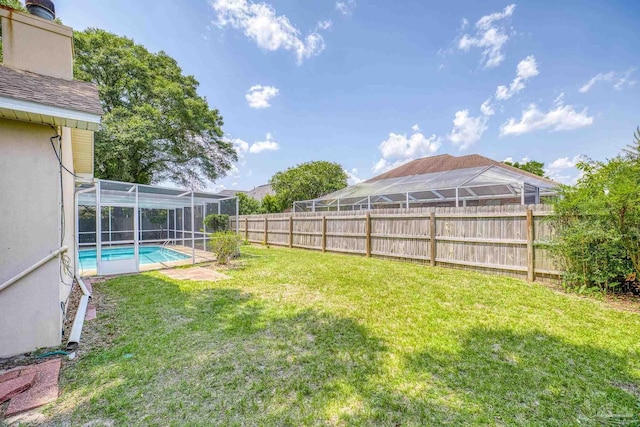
(307, 181)
(270, 204)
(248, 205)
(156, 127)
(532, 166)
(158, 217)
(597, 222)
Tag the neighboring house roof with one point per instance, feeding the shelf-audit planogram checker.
(41, 97)
(259, 192)
(447, 162)
(231, 193)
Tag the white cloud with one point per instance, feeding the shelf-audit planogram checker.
(526, 69)
(560, 117)
(268, 30)
(399, 149)
(487, 108)
(624, 80)
(346, 7)
(384, 165)
(467, 130)
(565, 163)
(325, 25)
(619, 80)
(352, 176)
(403, 147)
(595, 79)
(525, 159)
(267, 145)
(258, 96)
(241, 146)
(490, 36)
(563, 170)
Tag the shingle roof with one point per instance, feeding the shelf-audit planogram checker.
(68, 94)
(259, 192)
(447, 162)
(231, 193)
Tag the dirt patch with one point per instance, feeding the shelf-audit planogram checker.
(624, 302)
(94, 333)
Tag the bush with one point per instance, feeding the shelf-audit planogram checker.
(216, 223)
(597, 224)
(225, 245)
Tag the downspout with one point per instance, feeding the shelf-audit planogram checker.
(81, 313)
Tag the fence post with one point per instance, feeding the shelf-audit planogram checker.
(324, 233)
(531, 274)
(266, 231)
(368, 234)
(246, 229)
(432, 238)
(290, 231)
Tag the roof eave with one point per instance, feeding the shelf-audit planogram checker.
(34, 112)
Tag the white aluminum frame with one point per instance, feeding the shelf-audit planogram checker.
(133, 265)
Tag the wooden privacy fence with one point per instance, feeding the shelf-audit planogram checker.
(501, 239)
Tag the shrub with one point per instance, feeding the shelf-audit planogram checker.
(225, 245)
(597, 224)
(216, 223)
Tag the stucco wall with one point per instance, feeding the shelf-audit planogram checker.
(34, 44)
(30, 310)
(69, 215)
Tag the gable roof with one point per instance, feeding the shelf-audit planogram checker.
(447, 162)
(31, 87)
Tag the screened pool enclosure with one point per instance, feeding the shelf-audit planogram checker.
(126, 228)
(475, 186)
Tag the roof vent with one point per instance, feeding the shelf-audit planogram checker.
(42, 8)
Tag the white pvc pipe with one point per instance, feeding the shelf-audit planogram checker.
(85, 290)
(34, 267)
(81, 313)
(76, 328)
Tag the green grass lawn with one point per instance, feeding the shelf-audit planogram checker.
(304, 338)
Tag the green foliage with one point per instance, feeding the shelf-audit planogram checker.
(597, 223)
(532, 166)
(156, 127)
(270, 204)
(307, 181)
(248, 205)
(157, 216)
(216, 223)
(225, 245)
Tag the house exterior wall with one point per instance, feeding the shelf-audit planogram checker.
(33, 224)
(30, 312)
(68, 187)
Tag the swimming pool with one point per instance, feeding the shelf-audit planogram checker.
(147, 255)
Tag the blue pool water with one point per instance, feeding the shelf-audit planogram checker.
(147, 254)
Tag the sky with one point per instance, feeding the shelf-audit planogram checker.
(372, 84)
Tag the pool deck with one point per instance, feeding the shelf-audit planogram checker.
(200, 257)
